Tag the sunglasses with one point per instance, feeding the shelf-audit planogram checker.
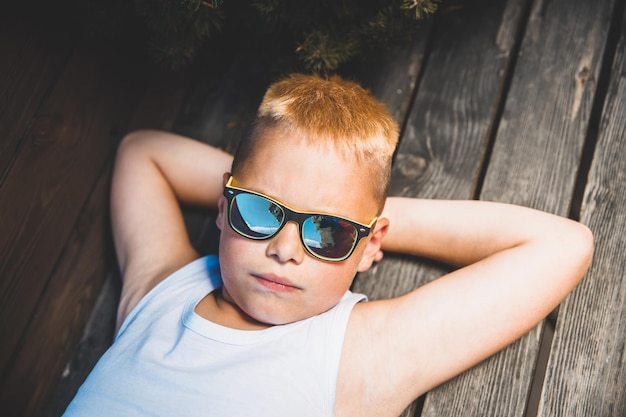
(323, 236)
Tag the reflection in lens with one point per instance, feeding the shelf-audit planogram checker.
(255, 216)
(329, 236)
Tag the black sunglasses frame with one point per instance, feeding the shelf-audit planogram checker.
(299, 217)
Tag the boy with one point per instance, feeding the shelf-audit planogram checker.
(272, 328)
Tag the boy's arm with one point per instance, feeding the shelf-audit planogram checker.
(154, 171)
(517, 265)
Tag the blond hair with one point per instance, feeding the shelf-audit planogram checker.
(332, 110)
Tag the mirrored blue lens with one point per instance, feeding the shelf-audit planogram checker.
(255, 216)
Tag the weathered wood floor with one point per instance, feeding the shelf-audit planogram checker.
(516, 101)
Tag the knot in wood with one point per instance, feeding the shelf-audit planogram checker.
(583, 75)
(411, 166)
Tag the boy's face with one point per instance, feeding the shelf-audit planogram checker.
(276, 281)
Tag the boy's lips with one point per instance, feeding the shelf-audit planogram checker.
(276, 283)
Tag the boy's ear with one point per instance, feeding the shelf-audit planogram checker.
(221, 205)
(373, 250)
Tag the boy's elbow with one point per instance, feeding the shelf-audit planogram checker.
(135, 139)
(137, 145)
(581, 245)
(586, 242)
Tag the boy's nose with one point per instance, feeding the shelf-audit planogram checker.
(286, 245)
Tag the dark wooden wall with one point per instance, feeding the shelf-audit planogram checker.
(65, 102)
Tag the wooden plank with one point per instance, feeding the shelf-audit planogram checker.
(69, 142)
(587, 368)
(545, 120)
(162, 100)
(441, 152)
(32, 59)
(392, 77)
(62, 312)
(534, 163)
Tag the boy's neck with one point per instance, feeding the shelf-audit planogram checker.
(214, 308)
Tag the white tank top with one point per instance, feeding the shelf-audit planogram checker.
(168, 361)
